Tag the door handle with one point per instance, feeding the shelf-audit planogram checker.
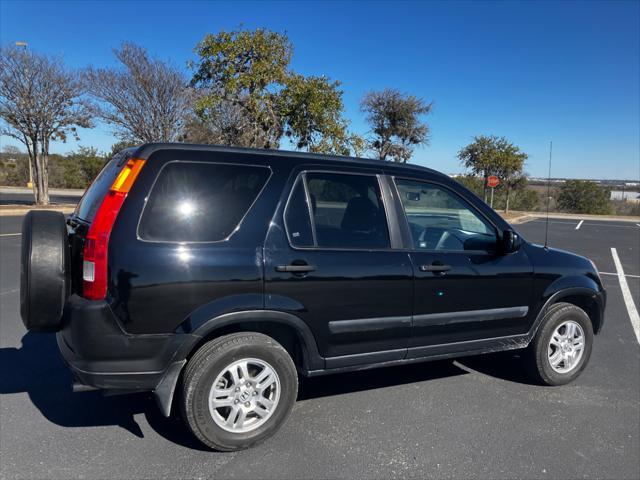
(435, 268)
(295, 268)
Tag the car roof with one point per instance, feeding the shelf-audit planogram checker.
(146, 150)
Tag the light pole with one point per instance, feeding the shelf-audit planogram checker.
(30, 184)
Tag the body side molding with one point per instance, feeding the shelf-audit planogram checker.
(469, 316)
(369, 324)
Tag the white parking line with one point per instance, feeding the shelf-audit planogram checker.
(10, 234)
(579, 224)
(615, 274)
(626, 295)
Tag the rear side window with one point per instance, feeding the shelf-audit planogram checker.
(93, 196)
(200, 202)
(346, 212)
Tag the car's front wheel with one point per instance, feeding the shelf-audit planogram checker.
(562, 346)
(238, 390)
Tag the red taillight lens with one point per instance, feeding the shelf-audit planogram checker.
(94, 269)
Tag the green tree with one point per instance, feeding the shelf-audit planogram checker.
(246, 95)
(240, 74)
(491, 155)
(396, 125)
(121, 145)
(583, 196)
(472, 182)
(91, 162)
(76, 169)
(526, 199)
(312, 110)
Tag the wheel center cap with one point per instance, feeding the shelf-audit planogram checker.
(244, 396)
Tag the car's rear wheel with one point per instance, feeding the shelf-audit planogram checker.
(562, 346)
(44, 270)
(238, 390)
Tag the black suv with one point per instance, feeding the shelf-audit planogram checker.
(213, 276)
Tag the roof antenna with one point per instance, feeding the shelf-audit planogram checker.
(546, 228)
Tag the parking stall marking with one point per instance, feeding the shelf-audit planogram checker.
(616, 274)
(579, 224)
(626, 295)
(588, 224)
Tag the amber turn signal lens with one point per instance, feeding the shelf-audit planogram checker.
(127, 175)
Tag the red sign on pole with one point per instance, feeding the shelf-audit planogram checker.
(493, 181)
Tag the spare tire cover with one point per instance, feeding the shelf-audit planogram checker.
(44, 278)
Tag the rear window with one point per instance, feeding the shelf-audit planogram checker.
(200, 202)
(93, 196)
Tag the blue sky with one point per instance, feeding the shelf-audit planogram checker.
(531, 71)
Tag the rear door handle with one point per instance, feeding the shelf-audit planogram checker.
(435, 268)
(295, 268)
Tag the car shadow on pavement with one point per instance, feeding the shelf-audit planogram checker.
(38, 369)
(337, 384)
(503, 365)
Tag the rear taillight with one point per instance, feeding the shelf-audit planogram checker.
(94, 266)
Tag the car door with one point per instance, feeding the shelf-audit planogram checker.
(465, 290)
(332, 259)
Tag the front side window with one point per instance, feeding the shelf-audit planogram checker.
(346, 212)
(441, 220)
(200, 202)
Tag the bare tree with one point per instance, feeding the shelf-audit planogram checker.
(146, 101)
(40, 101)
(395, 123)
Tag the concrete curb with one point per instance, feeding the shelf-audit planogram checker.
(72, 192)
(13, 210)
(522, 217)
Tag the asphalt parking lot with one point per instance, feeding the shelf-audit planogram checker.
(475, 417)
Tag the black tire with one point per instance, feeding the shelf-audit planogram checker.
(205, 366)
(536, 357)
(44, 279)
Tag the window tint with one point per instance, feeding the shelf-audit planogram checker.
(200, 202)
(347, 211)
(92, 198)
(440, 220)
(297, 217)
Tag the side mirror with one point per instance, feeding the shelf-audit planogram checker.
(510, 242)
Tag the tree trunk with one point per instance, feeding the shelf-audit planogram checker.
(42, 195)
(45, 170)
(484, 188)
(506, 207)
(31, 149)
(43, 180)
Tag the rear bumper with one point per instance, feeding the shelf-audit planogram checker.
(101, 354)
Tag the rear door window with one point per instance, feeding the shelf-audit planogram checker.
(346, 211)
(200, 202)
(296, 217)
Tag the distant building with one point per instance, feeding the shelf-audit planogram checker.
(627, 196)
